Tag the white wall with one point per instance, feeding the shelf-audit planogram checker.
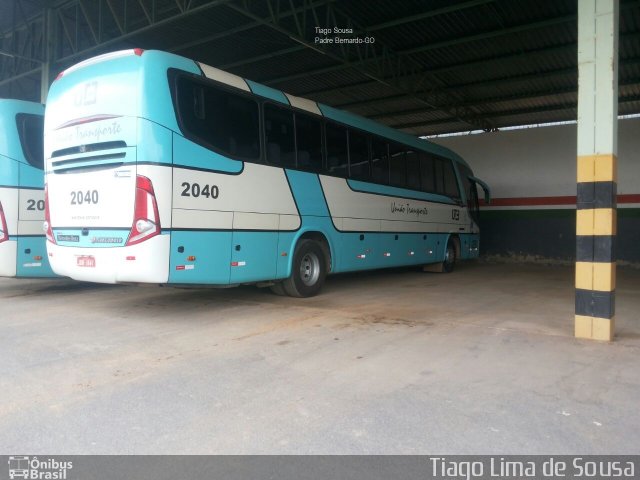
(539, 162)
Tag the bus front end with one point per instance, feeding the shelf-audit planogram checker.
(104, 218)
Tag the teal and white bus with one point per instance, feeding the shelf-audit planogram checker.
(22, 242)
(162, 169)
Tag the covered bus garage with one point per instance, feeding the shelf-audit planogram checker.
(484, 360)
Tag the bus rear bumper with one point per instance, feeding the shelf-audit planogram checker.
(146, 262)
(8, 256)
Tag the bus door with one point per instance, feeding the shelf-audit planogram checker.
(473, 205)
(475, 182)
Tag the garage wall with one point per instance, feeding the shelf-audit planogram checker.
(532, 174)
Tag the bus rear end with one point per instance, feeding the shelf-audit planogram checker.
(103, 217)
(22, 242)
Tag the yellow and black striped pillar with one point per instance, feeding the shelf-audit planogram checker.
(597, 169)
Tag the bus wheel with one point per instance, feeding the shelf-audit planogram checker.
(449, 257)
(308, 270)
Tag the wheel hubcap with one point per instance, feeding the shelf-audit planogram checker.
(309, 269)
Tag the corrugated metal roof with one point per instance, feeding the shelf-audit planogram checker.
(440, 66)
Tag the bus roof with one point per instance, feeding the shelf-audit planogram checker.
(170, 60)
(342, 116)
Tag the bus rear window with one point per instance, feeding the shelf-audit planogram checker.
(30, 130)
(226, 121)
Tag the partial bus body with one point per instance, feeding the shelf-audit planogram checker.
(164, 170)
(22, 241)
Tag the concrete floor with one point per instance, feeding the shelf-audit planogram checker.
(479, 361)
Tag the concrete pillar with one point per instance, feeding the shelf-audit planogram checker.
(597, 169)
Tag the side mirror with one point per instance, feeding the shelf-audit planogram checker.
(485, 188)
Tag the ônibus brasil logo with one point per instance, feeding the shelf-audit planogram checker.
(33, 468)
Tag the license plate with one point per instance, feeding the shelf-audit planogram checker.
(87, 261)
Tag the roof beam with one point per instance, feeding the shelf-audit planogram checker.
(490, 101)
(486, 83)
(433, 46)
(22, 47)
(375, 61)
(452, 42)
(374, 28)
(243, 28)
(184, 10)
(508, 113)
(429, 14)
(478, 103)
(481, 62)
(19, 76)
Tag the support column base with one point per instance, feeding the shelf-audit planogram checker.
(594, 328)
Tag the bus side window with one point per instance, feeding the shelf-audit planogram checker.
(309, 142)
(225, 121)
(198, 102)
(359, 167)
(379, 161)
(439, 176)
(398, 170)
(31, 132)
(427, 172)
(337, 157)
(413, 170)
(450, 181)
(280, 142)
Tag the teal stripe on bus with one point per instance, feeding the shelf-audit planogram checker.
(157, 94)
(35, 263)
(307, 193)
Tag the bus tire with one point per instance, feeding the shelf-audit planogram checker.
(308, 270)
(449, 257)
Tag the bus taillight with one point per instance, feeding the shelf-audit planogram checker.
(4, 233)
(47, 217)
(146, 219)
